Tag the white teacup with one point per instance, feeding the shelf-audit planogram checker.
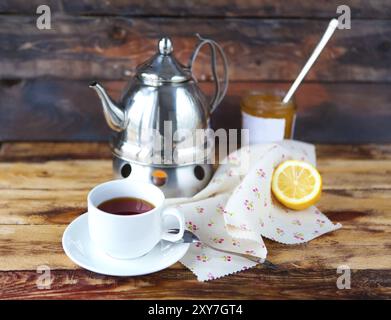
(129, 236)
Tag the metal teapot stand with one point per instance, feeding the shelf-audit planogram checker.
(175, 181)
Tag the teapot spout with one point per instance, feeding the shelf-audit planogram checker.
(115, 117)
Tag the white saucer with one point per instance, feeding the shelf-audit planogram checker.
(79, 248)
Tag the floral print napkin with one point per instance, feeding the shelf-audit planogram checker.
(236, 209)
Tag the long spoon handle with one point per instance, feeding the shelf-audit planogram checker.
(326, 37)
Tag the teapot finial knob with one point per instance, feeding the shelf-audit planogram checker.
(165, 46)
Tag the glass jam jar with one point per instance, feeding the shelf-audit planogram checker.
(266, 117)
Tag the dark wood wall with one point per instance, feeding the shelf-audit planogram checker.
(44, 74)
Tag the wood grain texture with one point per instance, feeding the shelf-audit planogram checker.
(264, 283)
(40, 151)
(218, 8)
(371, 151)
(271, 49)
(25, 247)
(38, 199)
(339, 174)
(45, 151)
(57, 194)
(66, 110)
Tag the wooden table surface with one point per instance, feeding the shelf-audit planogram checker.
(44, 187)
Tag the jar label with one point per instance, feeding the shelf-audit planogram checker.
(263, 130)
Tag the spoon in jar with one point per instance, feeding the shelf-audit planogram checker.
(315, 54)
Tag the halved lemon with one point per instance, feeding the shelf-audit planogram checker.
(297, 184)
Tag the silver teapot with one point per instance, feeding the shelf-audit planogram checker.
(156, 121)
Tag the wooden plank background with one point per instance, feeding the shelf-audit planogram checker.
(44, 74)
(376, 9)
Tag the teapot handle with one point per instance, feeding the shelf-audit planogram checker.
(221, 86)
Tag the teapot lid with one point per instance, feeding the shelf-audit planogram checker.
(163, 67)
